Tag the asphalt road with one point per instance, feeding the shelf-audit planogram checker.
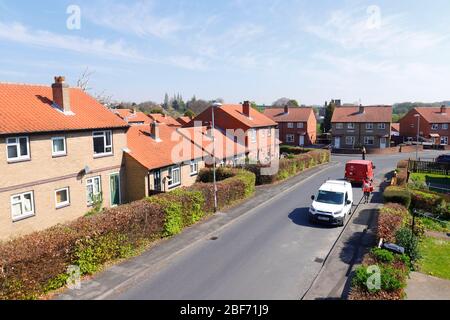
(272, 252)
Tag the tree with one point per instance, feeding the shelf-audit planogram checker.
(326, 125)
(189, 113)
(166, 101)
(293, 103)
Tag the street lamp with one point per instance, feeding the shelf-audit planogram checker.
(214, 105)
(418, 134)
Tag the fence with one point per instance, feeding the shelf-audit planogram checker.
(428, 167)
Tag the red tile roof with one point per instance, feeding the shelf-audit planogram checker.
(165, 119)
(395, 126)
(256, 119)
(434, 115)
(133, 117)
(183, 120)
(28, 108)
(295, 114)
(371, 114)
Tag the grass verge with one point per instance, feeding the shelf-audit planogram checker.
(435, 257)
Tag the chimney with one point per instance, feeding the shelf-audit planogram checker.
(361, 109)
(443, 109)
(286, 109)
(61, 95)
(246, 108)
(154, 130)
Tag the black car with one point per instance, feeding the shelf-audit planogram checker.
(444, 158)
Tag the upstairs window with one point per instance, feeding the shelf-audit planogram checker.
(102, 143)
(369, 126)
(382, 126)
(339, 125)
(18, 149)
(445, 126)
(350, 126)
(300, 125)
(290, 125)
(59, 146)
(435, 126)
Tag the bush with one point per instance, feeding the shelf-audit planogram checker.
(382, 255)
(406, 239)
(397, 195)
(390, 219)
(391, 279)
(222, 173)
(430, 202)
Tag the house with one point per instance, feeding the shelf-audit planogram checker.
(133, 117)
(297, 126)
(246, 126)
(162, 158)
(395, 129)
(433, 122)
(369, 126)
(183, 120)
(61, 151)
(164, 119)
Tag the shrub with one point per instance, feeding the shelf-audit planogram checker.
(382, 255)
(406, 239)
(222, 173)
(429, 201)
(397, 195)
(390, 219)
(391, 279)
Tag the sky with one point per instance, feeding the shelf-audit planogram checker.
(373, 52)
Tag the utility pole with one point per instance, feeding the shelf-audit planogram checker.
(214, 105)
(418, 134)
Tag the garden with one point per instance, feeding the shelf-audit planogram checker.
(417, 220)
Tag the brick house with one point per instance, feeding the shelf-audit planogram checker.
(353, 127)
(164, 119)
(434, 124)
(297, 126)
(246, 126)
(162, 158)
(60, 150)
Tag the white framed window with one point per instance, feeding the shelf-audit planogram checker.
(102, 143)
(174, 176)
(370, 141)
(300, 125)
(93, 189)
(59, 146)
(445, 126)
(22, 206)
(62, 197)
(369, 126)
(290, 138)
(252, 134)
(194, 167)
(339, 125)
(350, 140)
(444, 141)
(350, 125)
(382, 126)
(435, 126)
(290, 125)
(18, 149)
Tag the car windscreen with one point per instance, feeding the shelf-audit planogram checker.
(330, 197)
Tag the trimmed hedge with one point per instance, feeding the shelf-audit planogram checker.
(402, 173)
(293, 150)
(37, 263)
(291, 166)
(431, 202)
(397, 195)
(391, 218)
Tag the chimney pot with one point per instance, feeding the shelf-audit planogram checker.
(246, 108)
(61, 94)
(361, 109)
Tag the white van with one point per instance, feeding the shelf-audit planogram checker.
(333, 203)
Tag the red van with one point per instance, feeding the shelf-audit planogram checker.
(358, 170)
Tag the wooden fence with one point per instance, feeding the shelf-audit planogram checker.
(428, 167)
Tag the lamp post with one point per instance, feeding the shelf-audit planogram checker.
(214, 105)
(418, 134)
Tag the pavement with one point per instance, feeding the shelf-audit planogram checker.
(424, 287)
(263, 249)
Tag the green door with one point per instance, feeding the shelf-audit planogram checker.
(114, 182)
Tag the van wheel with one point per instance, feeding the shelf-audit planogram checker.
(343, 222)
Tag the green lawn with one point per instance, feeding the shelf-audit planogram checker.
(435, 257)
(434, 225)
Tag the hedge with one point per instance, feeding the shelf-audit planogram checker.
(293, 150)
(37, 263)
(431, 202)
(397, 195)
(402, 173)
(391, 218)
(291, 166)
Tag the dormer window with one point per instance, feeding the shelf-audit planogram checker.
(18, 149)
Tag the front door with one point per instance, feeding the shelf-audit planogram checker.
(157, 180)
(301, 140)
(114, 185)
(382, 143)
(337, 142)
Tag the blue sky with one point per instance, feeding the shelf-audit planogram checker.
(379, 52)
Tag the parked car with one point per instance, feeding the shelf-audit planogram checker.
(443, 158)
(356, 171)
(332, 204)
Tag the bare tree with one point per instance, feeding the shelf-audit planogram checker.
(84, 79)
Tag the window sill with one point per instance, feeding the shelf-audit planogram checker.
(19, 160)
(59, 155)
(103, 155)
(27, 216)
(174, 186)
(194, 174)
(62, 206)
